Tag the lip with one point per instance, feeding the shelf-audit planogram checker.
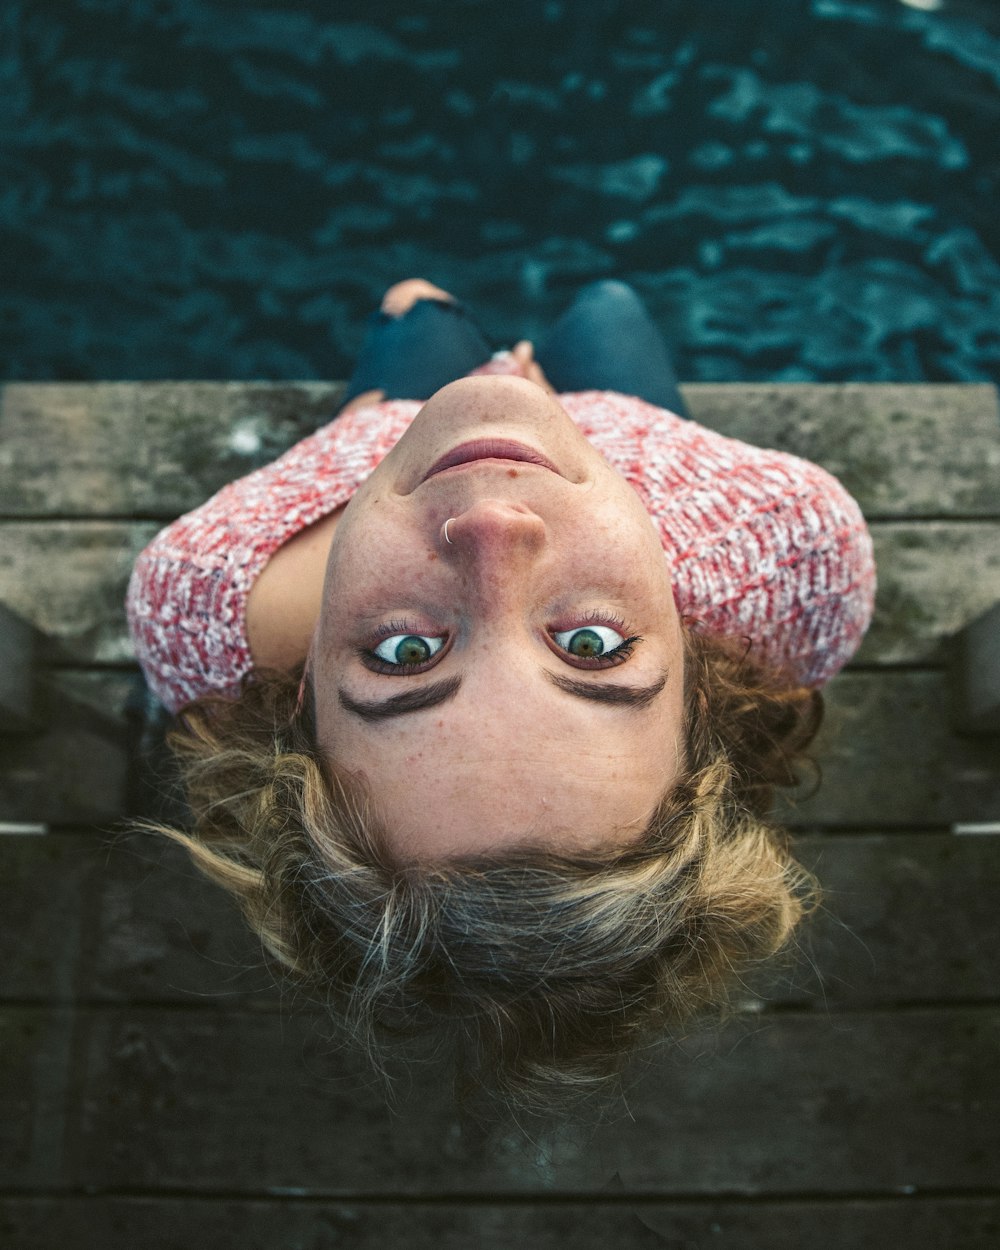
(489, 449)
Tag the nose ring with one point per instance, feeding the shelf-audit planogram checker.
(446, 524)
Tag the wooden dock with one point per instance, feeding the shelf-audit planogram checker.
(157, 1090)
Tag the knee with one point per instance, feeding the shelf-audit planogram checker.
(611, 292)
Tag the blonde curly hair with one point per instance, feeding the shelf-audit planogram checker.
(546, 970)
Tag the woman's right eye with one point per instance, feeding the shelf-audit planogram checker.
(403, 650)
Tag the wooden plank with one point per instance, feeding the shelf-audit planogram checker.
(919, 1222)
(77, 769)
(933, 579)
(69, 580)
(161, 448)
(975, 674)
(900, 449)
(159, 931)
(17, 673)
(866, 1104)
(882, 724)
(45, 887)
(889, 759)
(150, 448)
(35, 1092)
(905, 918)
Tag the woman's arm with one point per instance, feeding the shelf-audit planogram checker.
(284, 602)
(188, 597)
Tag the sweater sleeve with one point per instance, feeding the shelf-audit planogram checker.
(763, 545)
(772, 549)
(796, 576)
(187, 597)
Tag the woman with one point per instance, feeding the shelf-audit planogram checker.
(483, 699)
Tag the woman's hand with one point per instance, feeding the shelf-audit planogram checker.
(524, 353)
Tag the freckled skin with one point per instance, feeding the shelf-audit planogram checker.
(533, 552)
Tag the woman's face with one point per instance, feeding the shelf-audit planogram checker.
(522, 683)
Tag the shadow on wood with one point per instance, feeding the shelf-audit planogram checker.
(975, 675)
(18, 649)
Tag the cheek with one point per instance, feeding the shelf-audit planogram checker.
(373, 547)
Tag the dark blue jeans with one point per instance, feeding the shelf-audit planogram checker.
(604, 341)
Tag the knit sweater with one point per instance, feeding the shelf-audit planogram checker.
(762, 545)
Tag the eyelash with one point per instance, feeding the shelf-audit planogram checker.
(377, 665)
(620, 654)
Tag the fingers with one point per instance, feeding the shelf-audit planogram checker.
(524, 353)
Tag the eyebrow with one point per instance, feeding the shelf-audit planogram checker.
(610, 692)
(400, 704)
(635, 697)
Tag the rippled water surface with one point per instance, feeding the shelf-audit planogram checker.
(802, 189)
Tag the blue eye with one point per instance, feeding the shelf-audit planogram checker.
(407, 649)
(591, 642)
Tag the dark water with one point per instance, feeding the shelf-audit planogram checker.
(802, 189)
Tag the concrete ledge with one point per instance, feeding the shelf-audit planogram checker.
(156, 449)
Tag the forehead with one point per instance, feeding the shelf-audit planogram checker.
(479, 775)
(479, 804)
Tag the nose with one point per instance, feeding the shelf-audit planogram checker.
(493, 539)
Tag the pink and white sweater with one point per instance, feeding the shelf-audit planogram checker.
(763, 545)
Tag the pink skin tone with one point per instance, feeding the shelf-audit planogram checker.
(511, 760)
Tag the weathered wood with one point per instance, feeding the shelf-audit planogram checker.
(919, 1222)
(76, 771)
(17, 672)
(900, 449)
(160, 448)
(889, 759)
(69, 580)
(933, 578)
(862, 1104)
(975, 675)
(46, 887)
(149, 448)
(904, 918)
(120, 917)
(881, 724)
(36, 1094)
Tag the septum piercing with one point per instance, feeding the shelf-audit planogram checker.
(446, 524)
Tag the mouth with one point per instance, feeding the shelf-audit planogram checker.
(489, 449)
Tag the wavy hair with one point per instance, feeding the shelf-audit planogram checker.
(545, 970)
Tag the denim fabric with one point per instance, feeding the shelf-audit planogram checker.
(604, 341)
(412, 356)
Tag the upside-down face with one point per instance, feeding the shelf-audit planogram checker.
(499, 653)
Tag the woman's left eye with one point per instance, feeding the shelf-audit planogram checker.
(407, 649)
(592, 642)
